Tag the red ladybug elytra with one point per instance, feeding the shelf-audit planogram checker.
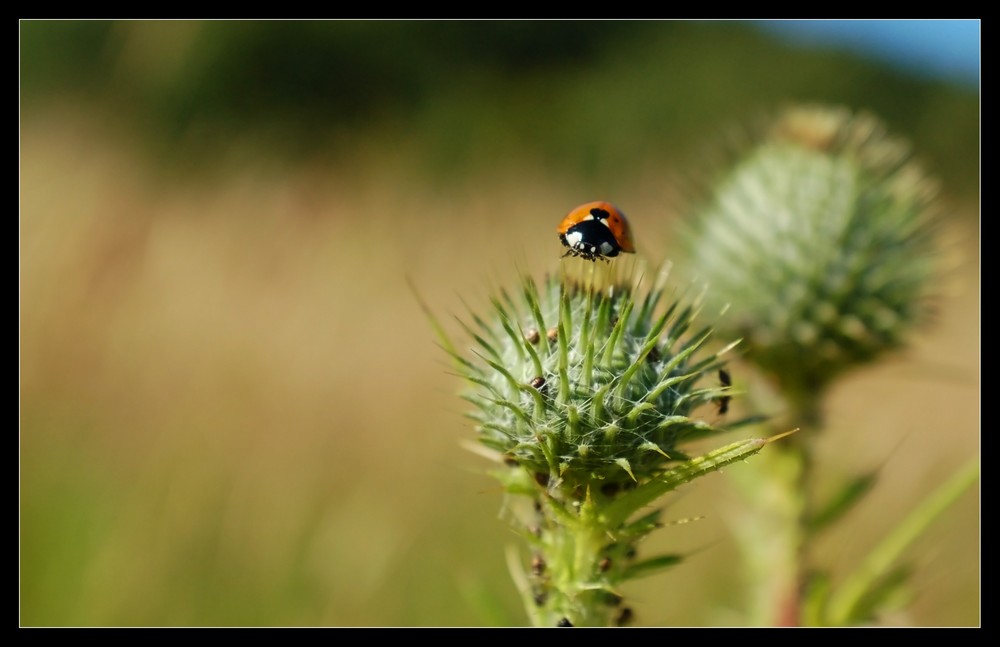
(596, 230)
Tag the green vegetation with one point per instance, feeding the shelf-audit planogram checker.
(592, 98)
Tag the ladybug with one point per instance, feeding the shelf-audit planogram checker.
(596, 230)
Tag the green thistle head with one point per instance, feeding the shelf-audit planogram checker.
(585, 396)
(586, 387)
(821, 238)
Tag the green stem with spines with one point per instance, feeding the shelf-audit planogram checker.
(587, 429)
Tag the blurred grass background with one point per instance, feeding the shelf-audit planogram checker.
(232, 410)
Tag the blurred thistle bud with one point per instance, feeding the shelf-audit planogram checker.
(821, 239)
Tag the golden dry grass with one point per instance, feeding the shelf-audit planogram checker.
(232, 410)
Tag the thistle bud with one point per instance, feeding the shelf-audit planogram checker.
(587, 425)
(821, 239)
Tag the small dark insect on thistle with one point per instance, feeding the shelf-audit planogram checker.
(537, 564)
(727, 381)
